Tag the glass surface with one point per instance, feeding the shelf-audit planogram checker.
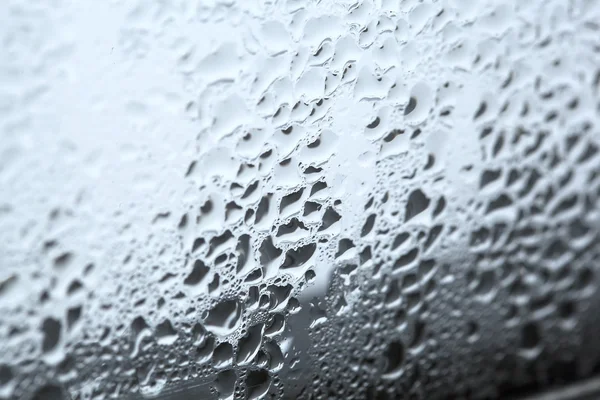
(281, 199)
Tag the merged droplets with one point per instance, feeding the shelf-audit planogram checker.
(376, 193)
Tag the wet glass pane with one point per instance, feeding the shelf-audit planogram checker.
(299, 199)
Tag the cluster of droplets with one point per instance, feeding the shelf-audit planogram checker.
(379, 191)
(506, 278)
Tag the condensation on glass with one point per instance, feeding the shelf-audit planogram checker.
(369, 199)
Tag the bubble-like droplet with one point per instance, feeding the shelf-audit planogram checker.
(249, 345)
(166, 335)
(394, 358)
(224, 318)
(51, 328)
(258, 383)
(416, 204)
